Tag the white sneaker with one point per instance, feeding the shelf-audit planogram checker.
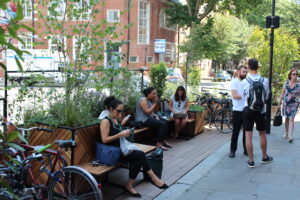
(284, 136)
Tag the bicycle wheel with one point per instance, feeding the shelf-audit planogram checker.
(73, 182)
(223, 121)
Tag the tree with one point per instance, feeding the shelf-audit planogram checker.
(10, 25)
(286, 50)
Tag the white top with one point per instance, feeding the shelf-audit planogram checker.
(246, 87)
(238, 104)
(103, 114)
(179, 106)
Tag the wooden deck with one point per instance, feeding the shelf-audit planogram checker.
(184, 156)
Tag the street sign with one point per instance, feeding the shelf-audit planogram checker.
(160, 46)
(272, 21)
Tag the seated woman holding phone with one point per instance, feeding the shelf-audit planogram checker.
(111, 130)
(179, 106)
(145, 113)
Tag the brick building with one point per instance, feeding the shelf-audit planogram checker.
(148, 23)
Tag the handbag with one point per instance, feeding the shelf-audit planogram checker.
(277, 119)
(155, 161)
(107, 155)
(127, 147)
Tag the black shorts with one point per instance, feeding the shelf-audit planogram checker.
(251, 116)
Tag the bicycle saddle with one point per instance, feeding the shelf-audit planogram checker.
(223, 93)
(66, 143)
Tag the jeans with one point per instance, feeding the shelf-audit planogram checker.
(160, 127)
(237, 124)
(137, 159)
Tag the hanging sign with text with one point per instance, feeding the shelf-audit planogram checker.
(160, 46)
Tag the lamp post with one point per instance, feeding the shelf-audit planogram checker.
(271, 22)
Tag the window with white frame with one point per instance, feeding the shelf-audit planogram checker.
(112, 55)
(27, 9)
(57, 9)
(81, 47)
(133, 59)
(161, 57)
(144, 22)
(84, 9)
(28, 42)
(113, 16)
(57, 43)
(150, 59)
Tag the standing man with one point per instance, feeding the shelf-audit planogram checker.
(255, 92)
(237, 113)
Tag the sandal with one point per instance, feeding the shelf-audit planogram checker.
(167, 145)
(163, 148)
(290, 140)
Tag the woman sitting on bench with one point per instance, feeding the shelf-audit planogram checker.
(145, 113)
(179, 105)
(110, 128)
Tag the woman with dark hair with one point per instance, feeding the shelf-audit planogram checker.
(179, 105)
(289, 98)
(145, 113)
(111, 130)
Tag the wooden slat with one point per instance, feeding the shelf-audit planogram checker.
(103, 169)
(141, 130)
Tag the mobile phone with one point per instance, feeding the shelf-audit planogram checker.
(131, 130)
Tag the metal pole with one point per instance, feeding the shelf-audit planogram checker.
(269, 103)
(5, 94)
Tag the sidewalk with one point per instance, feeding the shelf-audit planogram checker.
(219, 177)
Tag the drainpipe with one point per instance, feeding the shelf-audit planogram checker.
(128, 32)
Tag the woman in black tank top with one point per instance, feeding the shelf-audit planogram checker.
(111, 130)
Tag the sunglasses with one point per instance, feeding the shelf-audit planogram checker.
(294, 74)
(119, 111)
(179, 104)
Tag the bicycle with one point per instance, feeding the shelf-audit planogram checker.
(223, 118)
(63, 182)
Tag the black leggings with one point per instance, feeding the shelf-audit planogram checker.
(137, 159)
(160, 127)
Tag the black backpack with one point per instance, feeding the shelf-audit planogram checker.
(257, 94)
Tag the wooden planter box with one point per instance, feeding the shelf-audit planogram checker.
(80, 154)
(199, 122)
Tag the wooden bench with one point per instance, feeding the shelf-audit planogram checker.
(86, 143)
(104, 169)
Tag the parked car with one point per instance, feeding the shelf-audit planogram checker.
(222, 76)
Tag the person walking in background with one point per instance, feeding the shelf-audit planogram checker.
(289, 98)
(179, 106)
(145, 113)
(237, 113)
(255, 92)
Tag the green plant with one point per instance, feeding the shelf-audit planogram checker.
(196, 108)
(158, 74)
(286, 50)
(194, 78)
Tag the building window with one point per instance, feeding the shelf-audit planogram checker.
(164, 22)
(113, 55)
(113, 16)
(28, 42)
(57, 43)
(144, 22)
(57, 9)
(133, 59)
(81, 48)
(27, 9)
(150, 59)
(83, 10)
(161, 57)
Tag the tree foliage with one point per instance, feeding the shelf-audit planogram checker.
(286, 50)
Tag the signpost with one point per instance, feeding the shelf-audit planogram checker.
(271, 22)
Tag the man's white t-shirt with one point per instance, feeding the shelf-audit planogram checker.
(238, 104)
(246, 87)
